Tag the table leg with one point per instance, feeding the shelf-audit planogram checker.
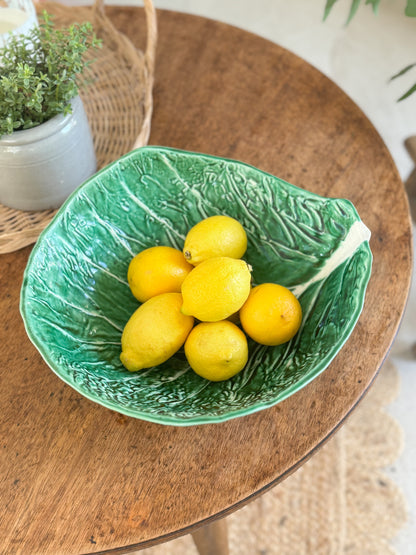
(411, 180)
(212, 539)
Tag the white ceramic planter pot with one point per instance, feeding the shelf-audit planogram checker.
(40, 167)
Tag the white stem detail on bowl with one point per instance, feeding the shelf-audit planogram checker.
(357, 234)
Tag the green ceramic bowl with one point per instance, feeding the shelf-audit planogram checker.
(75, 298)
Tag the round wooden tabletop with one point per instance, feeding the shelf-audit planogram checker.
(79, 478)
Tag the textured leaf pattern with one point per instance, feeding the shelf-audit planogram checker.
(75, 298)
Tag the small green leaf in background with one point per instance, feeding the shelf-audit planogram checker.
(410, 10)
(375, 4)
(408, 93)
(355, 4)
(328, 7)
(399, 74)
(403, 71)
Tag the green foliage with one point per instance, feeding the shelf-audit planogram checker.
(402, 72)
(410, 11)
(39, 73)
(411, 8)
(355, 4)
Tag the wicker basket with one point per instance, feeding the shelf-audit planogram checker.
(118, 101)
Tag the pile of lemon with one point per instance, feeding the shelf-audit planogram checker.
(208, 283)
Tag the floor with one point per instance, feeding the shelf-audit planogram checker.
(360, 58)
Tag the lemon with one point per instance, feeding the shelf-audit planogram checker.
(216, 288)
(157, 270)
(216, 350)
(154, 332)
(271, 315)
(215, 236)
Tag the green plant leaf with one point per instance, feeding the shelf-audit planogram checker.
(328, 7)
(403, 71)
(399, 74)
(410, 10)
(408, 93)
(355, 4)
(375, 4)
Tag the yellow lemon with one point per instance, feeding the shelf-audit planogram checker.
(157, 270)
(216, 350)
(216, 288)
(215, 236)
(271, 315)
(154, 332)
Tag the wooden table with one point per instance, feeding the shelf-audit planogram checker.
(78, 478)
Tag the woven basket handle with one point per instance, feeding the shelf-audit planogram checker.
(149, 56)
(151, 21)
(149, 62)
(150, 53)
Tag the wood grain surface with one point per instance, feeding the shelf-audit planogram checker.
(76, 477)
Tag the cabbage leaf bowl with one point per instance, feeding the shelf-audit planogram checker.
(75, 299)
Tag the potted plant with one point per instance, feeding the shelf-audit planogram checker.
(46, 147)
